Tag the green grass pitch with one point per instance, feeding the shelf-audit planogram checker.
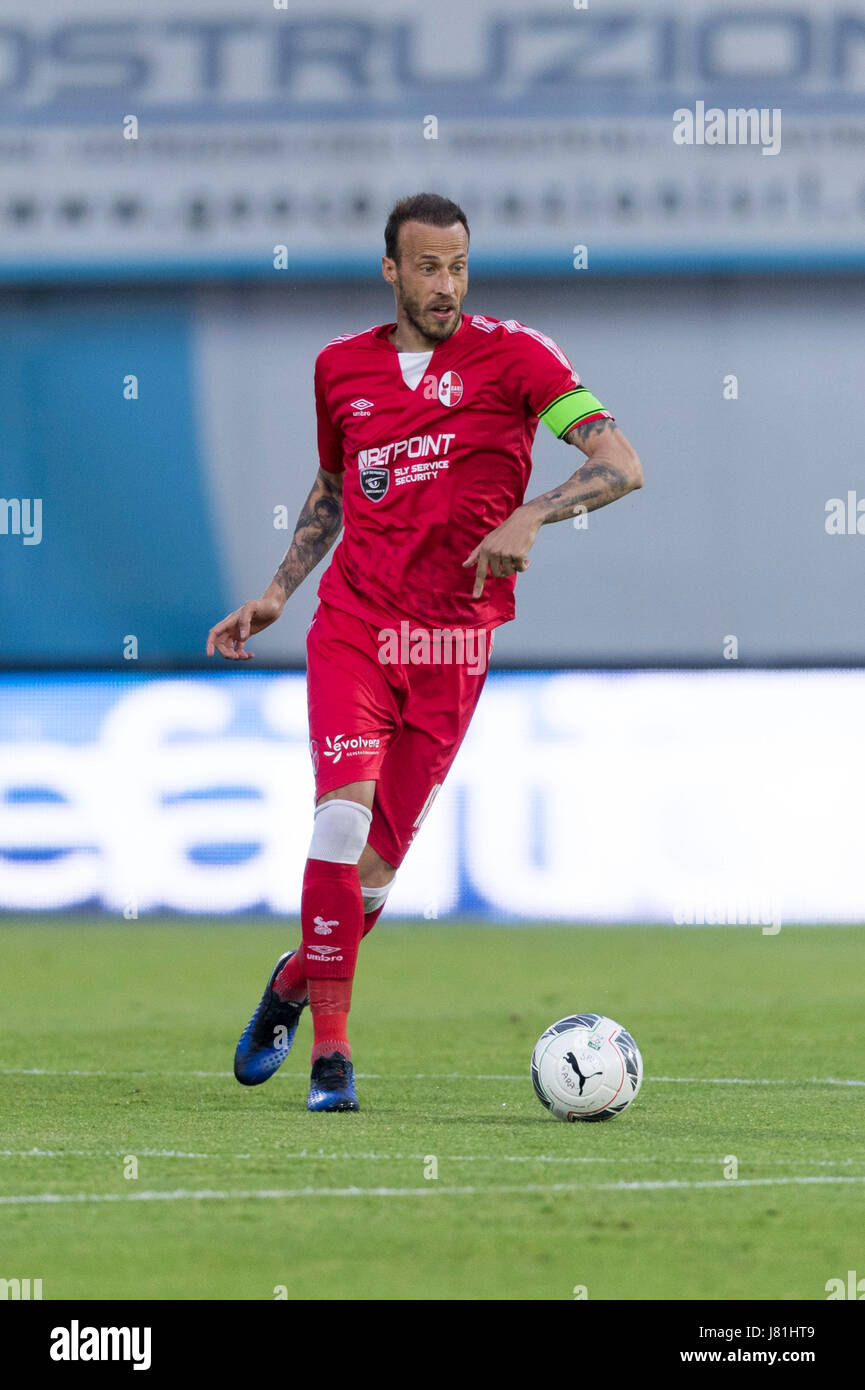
(116, 1050)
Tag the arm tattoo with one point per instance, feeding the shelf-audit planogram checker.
(317, 528)
(599, 481)
(580, 433)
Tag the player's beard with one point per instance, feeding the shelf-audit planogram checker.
(421, 319)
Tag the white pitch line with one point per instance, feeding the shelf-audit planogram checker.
(278, 1156)
(432, 1188)
(48, 1071)
(759, 1081)
(463, 1076)
(800, 1180)
(119, 1153)
(44, 1071)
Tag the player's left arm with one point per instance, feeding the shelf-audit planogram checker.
(612, 470)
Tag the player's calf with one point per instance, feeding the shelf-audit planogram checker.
(332, 920)
(374, 900)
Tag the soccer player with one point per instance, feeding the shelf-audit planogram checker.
(425, 430)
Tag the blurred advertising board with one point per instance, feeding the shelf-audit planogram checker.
(198, 137)
(689, 797)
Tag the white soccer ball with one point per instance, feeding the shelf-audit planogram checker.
(586, 1067)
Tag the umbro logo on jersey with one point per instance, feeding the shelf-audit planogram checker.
(362, 406)
(451, 388)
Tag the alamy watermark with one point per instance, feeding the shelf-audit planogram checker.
(437, 646)
(734, 910)
(845, 517)
(21, 516)
(77, 1343)
(852, 1287)
(20, 1290)
(736, 126)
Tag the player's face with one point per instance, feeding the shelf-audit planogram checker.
(430, 279)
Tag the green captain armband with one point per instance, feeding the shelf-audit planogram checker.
(566, 411)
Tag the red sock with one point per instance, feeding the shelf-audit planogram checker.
(331, 917)
(290, 983)
(330, 1001)
(370, 919)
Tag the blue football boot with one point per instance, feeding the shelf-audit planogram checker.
(267, 1038)
(331, 1086)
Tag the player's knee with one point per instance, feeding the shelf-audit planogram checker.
(340, 831)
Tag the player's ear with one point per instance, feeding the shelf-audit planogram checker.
(388, 269)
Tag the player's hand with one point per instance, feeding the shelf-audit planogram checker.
(505, 550)
(229, 636)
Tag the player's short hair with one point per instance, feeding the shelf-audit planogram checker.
(429, 208)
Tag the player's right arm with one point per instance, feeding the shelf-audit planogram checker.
(317, 528)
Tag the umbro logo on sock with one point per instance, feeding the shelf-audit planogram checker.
(323, 928)
(315, 951)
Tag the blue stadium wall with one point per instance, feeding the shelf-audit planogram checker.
(163, 513)
(129, 544)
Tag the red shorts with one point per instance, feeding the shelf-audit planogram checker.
(390, 705)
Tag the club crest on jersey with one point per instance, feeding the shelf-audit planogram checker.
(374, 482)
(451, 388)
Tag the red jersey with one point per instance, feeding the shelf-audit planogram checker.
(430, 472)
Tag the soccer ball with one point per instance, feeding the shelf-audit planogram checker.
(586, 1067)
